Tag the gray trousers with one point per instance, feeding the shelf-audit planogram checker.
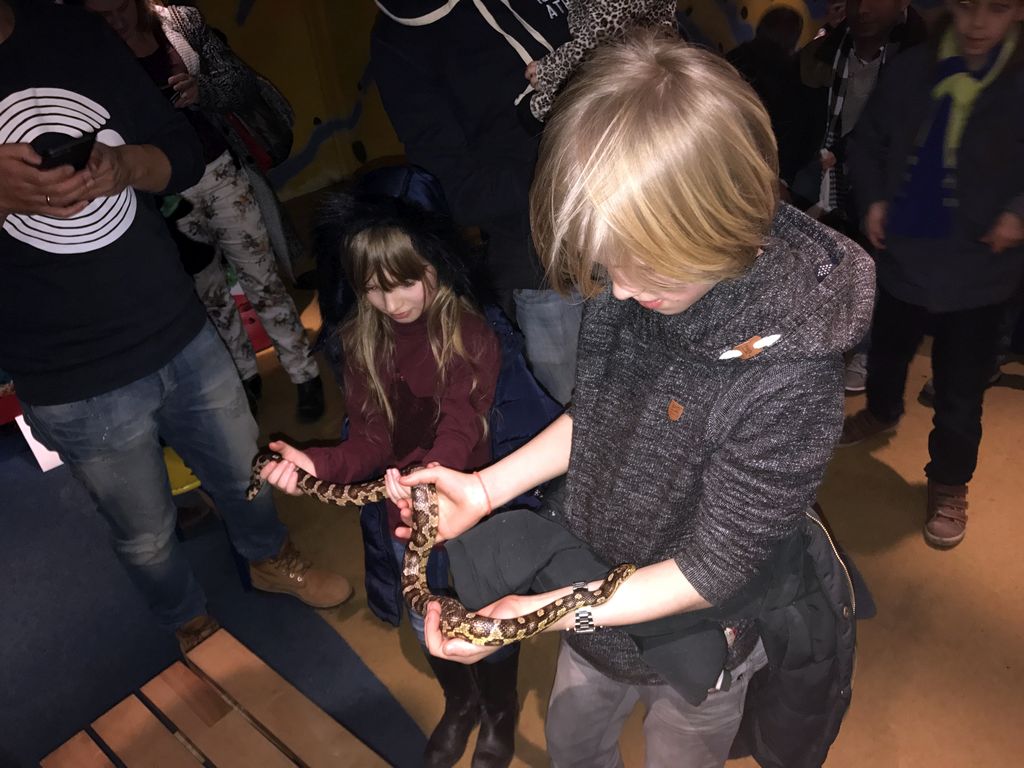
(587, 710)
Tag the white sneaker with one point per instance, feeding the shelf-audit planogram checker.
(856, 374)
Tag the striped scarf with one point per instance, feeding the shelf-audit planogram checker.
(835, 177)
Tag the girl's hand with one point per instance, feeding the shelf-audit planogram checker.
(187, 88)
(462, 501)
(531, 73)
(281, 474)
(828, 160)
(874, 224)
(396, 491)
(1006, 233)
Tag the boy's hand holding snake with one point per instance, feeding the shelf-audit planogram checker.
(426, 525)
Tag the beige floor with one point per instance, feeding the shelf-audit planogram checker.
(940, 672)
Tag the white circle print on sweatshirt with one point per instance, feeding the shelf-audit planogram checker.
(30, 113)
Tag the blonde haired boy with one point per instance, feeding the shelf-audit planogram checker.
(708, 393)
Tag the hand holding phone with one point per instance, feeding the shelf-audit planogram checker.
(170, 93)
(187, 88)
(26, 189)
(59, 149)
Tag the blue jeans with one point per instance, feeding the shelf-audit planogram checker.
(111, 444)
(551, 327)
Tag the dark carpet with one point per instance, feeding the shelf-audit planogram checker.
(75, 637)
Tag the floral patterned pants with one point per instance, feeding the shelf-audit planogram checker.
(225, 214)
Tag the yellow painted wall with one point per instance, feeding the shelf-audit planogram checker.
(316, 52)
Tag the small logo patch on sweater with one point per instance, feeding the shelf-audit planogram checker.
(675, 410)
(752, 347)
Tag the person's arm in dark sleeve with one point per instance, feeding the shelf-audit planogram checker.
(1016, 203)
(867, 146)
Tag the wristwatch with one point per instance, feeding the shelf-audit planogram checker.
(584, 622)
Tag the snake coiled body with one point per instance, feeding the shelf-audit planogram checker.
(456, 621)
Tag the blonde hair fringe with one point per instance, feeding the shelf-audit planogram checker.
(657, 160)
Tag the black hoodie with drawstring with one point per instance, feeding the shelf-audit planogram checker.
(450, 75)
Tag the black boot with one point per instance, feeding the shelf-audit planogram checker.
(311, 400)
(461, 713)
(499, 708)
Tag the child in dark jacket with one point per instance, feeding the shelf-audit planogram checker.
(420, 368)
(936, 163)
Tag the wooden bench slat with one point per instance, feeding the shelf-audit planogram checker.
(315, 737)
(80, 751)
(219, 730)
(140, 740)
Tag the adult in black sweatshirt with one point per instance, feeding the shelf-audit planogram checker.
(100, 327)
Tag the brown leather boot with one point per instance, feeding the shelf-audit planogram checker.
(290, 574)
(194, 631)
(947, 515)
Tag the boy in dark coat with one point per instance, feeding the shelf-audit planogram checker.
(937, 164)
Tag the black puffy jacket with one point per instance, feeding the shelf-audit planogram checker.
(796, 703)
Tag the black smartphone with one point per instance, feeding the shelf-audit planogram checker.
(170, 93)
(58, 149)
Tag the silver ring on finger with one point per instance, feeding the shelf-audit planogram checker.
(48, 202)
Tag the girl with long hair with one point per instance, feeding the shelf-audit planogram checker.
(420, 365)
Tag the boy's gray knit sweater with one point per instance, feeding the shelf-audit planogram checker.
(716, 487)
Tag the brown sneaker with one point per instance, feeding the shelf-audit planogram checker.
(290, 574)
(947, 515)
(862, 426)
(194, 631)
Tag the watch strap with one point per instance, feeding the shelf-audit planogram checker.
(584, 618)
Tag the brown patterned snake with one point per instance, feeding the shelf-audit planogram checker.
(456, 621)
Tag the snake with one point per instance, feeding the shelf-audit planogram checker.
(456, 620)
